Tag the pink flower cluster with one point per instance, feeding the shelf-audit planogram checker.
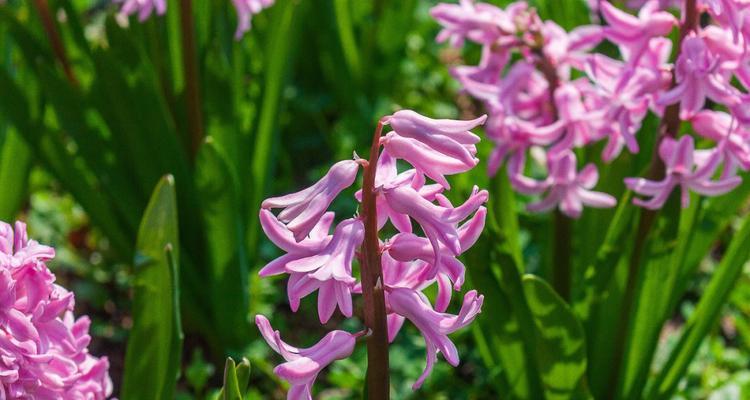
(245, 11)
(548, 93)
(43, 348)
(318, 260)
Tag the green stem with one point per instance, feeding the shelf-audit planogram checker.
(378, 387)
(562, 271)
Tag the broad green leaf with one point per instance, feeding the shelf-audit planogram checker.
(560, 343)
(506, 321)
(220, 208)
(705, 316)
(152, 356)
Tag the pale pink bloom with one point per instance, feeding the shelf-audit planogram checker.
(447, 136)
(43, 348)
(143, 8)
(245, 11)
(434, 326)
(569, 189)
(633, 33)
(425, 159)
(576, 125)
(733, 139)
(569, 49)
(481, 23)
(699, 75)
(438, 223)
(685, 167)
(303, 365)
(626, 92)
(732, 14)
(330, 270)
(449, 272)
(303, 209)
(283, 238)
(513, 136)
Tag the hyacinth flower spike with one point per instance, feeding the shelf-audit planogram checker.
(687, 168)
(318, 261)
(301, 211)
(433, 325)
(302, 366)
(43, 348)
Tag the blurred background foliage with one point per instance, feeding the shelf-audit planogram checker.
(235, 121)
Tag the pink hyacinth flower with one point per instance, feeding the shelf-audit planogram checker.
(425, 159)
(634, 33)
(733, 138)
(439, 223)
(686, 167)
(571, 190)
(447, 136)
(329, 271)
(302, 366)
(481, 23)
(450, 272)
(143, 8)
(302, 210)
(700, 75)
(433, 325)
(43, 348)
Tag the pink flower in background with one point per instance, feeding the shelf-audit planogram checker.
(733, 138)
(700, 75)
(245, 11)
(302, 366)
(143, 8)
(547, 92)
(43, 348)
(318, 261)
(571, 190)
(434, 326)
(634, 33)
(686, 167)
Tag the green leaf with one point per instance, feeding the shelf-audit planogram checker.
(219, 195)
(152, 358)
(236, 379)
(506, 321)
(705, 316)
(279, 50)
(560, 344)
(15, 164)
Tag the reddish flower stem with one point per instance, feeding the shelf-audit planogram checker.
(54, 39)
(669, 127)
(192, 76)
(372, 283)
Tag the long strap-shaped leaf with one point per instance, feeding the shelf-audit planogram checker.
(153, 354)
(705, 316)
